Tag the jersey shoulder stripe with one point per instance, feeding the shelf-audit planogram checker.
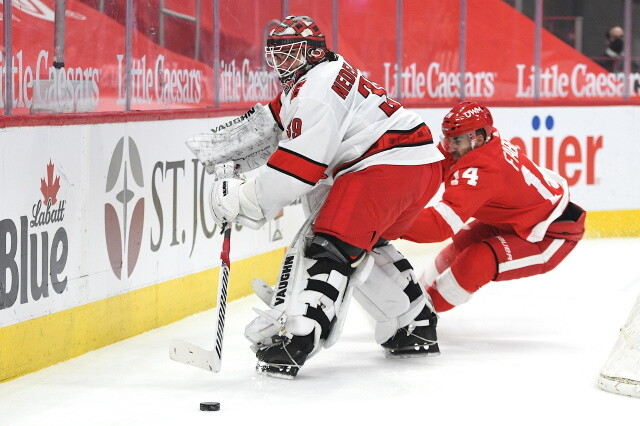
(275, 106)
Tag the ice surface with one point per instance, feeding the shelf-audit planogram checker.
(523, 352)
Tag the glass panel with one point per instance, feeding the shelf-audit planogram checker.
(367, 38)
(634, 39)
(527, 8)
(77, 75)
(31, 52)
(322, 13)
(430, 51)
(499, 64)
(173, 51)
(245, 77)
(567, 71)
(167, 68)
(3, 64)
(93, 56)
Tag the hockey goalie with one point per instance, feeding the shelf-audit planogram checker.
(621, 372)
(364, 168)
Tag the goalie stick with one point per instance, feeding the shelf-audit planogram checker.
(238, 146)
(190, 354)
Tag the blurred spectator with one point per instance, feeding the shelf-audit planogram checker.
(613, 56)
(612, 59)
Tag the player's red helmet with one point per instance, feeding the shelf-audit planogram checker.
(466, 118)
(294, 47)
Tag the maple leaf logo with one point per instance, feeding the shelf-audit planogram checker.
(49, 188)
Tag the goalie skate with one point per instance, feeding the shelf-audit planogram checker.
(280, 371)
(412, 342)
(284, 359)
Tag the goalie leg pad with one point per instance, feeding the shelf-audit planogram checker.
(262, 290)
(308, 315)
(406, 320)
(269, 325)
(621, 372)
(363, 270)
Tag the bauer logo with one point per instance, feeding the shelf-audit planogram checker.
(554, 144)
(124, 209)
(30, 261)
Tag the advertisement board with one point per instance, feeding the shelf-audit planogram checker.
(588, 146)
(98, 211)
(105, 230)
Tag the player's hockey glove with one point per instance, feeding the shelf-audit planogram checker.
(235, 200)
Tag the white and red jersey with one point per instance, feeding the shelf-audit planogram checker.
(498, 185)
(335, 121)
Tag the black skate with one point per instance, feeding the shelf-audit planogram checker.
(413, 342)
(284, 359)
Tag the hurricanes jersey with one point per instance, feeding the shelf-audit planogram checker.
(336, 121)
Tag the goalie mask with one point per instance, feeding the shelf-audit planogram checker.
(461, 123)
(294, 47)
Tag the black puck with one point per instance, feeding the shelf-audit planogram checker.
(209, 406)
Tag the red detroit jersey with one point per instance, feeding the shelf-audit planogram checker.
(499, 186)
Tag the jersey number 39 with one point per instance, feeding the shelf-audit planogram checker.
(365, 87)
(294, 129)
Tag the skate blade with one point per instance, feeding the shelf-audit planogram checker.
(415, 352)
(279, 371)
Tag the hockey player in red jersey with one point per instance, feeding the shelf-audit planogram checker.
(524, 223)
(369, 166)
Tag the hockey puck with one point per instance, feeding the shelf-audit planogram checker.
(209, 406)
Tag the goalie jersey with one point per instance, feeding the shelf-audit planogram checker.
(335, 121)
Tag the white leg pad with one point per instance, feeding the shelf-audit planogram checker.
(293, 296)
(358, 277)
(262, 290)
(621, 373)
(383, 296)
(380, 297)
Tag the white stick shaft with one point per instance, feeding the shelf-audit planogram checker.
(190, 354)
(223, 284)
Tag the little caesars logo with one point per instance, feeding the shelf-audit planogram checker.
(23, 253)
(240, 81)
